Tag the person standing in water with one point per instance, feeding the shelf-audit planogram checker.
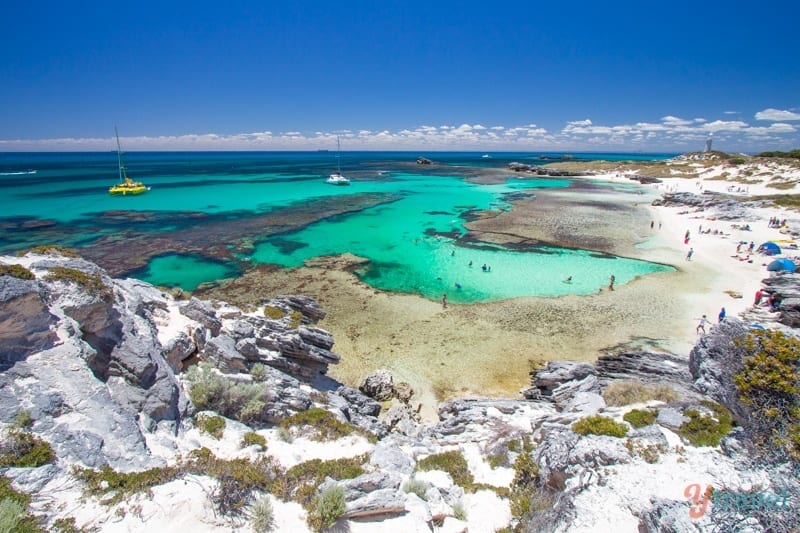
(444, 300)
(611, 281)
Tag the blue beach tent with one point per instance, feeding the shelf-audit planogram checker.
(770, 248)
(782, 264)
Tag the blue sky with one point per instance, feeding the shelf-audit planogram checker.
(405, 75)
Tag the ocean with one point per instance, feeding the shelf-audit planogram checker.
(210, 216)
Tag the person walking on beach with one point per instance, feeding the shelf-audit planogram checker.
(690, 254)
(721, 316)
(701, 326)
(444, 300)
(611, 281)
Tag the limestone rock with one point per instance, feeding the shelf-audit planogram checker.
(25, 321)
(378, 385)
(202, 312)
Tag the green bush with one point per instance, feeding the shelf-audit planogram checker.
(25, 450)
(68, 525)
(639, 418)
(254, 439)
(259, 372)
(621, 393)
(49, 249)
(261, 515)
(91, 283)
(211, 424)
(416, 486)
(275, 313)
(769, 383)
(600, 425)
(210, 390)
(326, 509)
(23, 420)
(453, 463)
(122, 484)
(11, 515)
(301, 481)
(16, 271)
(321, 424)
(703, 430)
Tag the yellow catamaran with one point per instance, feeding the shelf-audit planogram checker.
(125, 185)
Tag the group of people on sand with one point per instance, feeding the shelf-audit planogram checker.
(775, 222)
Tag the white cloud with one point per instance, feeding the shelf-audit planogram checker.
(777, 115)
(675, 121)
(669, 133)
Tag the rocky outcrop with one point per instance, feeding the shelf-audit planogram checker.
(25, 320)
(723, 207)
(380, 385)
(714, 360)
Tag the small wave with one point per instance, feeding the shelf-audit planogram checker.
(17, 173)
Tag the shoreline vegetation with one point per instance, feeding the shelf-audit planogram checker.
(489, 348)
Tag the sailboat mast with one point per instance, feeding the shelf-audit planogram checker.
(338, 156)
(119, 156)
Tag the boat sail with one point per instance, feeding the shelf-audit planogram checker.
(126, 185)
(336, 178)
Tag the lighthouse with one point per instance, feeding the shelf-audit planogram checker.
(708, 143)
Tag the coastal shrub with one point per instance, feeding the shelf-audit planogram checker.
(252, 438)
(210, 390)
(600, 425)
(25, 450)
(318, 424)
(122, 484)
(459, 512)
(497, 460)
(301, 481)
(16, 271)
(275, 313)
(621, 393)
(326, 509)
(769, 383)
(261, 515)
(639, 418)
(211, 424)
(11, 514)
(68, 525)
(453, 463)
(791, 154)
(259, 372)
(23, 420)
(704, 430)
(295, 319)
(416, 486)
(91, 283)
(530, 502)
(651, 453)
(237, 478)
(49, 249)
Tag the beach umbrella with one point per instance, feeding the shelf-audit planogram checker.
(770, 248)
(782, 264)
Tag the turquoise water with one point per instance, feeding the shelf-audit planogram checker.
(184, 271)
(415, 242)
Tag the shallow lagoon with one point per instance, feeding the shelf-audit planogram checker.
(415, 243)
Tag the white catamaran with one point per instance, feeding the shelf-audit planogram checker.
(336, 178)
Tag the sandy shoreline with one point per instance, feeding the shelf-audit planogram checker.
(489, 349)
